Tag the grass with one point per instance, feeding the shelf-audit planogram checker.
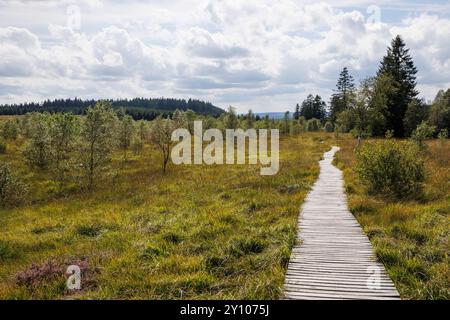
(198, 232)
(411, 238)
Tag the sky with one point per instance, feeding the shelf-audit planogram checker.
(253, 54)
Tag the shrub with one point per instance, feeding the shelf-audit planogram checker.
(442, 136)
(8, 251)
(2, 148)
(10, 130)
(423, 131)
(313, 125)
(391, 168)
(302, 123)
(12, 190)
(328, 127)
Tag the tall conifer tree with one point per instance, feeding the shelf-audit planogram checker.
(398, 65)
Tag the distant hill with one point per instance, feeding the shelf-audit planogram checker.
(138, 108)
(273, 115)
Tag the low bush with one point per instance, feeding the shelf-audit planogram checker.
(313, 125)
(391, 168)
(88, 230)
(328, 127)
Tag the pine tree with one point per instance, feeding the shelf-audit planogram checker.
(345, 88)
(399, 66)
(297, 112)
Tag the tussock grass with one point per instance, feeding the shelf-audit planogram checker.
(198, 232)
(410, 237)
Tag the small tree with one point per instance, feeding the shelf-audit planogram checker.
(360, 107)
(345, 121)
(302, 123)
(231, 120)
(250, 118)
(12, 190)
(190, 118)
(442, 136)
(313, 125)
(24, 127)
(440, 111)
(126, 133)
(161, 136)
(63, 132)
(180, 119)
(137, 145)
(423, 131)
(143, 131)
(38, 150)
(416, 113)
(10, 130)
(97, 141)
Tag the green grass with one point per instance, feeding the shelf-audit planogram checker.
(411, 238)
(198, 232)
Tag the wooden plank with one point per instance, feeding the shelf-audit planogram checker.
(333, 258)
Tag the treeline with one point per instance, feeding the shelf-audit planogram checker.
(138, 108)
(387, 103)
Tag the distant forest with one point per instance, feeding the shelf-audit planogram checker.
(138, 108)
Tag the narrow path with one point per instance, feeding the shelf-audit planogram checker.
(333, 258)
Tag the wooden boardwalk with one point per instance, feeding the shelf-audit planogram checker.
(333, 258)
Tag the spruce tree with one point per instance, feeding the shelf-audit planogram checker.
(399, 66)
(345, 88)
(313, 107)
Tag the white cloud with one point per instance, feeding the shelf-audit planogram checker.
(260, 54)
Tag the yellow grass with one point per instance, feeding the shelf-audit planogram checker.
(198, 232)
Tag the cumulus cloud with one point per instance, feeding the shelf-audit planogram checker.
(260, 54)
